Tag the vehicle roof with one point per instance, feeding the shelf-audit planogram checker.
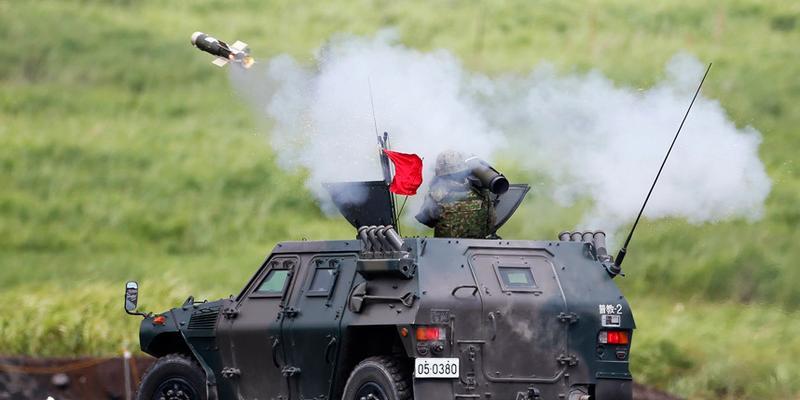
(308, 246)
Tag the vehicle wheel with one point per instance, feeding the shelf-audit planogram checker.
(173, 377)
(379, 378)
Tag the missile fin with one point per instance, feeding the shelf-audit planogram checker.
(239, 45)
(220, 62)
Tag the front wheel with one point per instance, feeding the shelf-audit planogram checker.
(173, 377)
(379, 378)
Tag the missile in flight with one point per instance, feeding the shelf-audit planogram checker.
(238, 52)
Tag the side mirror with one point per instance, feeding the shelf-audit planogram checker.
(132, 298)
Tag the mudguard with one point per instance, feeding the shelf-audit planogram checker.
(613, 389)
(161, 339)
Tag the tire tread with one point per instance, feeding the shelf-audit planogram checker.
(397, 373)
(169, 358)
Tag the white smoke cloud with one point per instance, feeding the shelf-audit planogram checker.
(606, 142)
(590, 137)
(323, 120)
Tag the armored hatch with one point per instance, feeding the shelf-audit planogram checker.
(369, 203)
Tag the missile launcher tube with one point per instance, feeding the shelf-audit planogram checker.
(488, 177)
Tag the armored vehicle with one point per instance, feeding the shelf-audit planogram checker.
(382, 317)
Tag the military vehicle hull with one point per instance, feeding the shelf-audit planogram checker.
(501, 319)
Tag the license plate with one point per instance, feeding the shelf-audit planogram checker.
(436, 367)
(611, 321)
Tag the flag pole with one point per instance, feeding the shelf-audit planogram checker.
(405, 198)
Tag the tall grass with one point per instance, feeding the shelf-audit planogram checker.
(124, 155)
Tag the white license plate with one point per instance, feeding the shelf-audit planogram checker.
(436, 367)
(611, 320)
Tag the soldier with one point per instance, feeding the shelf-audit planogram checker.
(454, 207)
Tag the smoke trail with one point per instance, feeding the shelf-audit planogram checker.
(589, 137)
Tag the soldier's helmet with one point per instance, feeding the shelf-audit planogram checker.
(450, 162)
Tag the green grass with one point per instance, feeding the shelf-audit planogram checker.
(124, 154)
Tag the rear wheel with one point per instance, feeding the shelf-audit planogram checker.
(379, 378)
(173, 377)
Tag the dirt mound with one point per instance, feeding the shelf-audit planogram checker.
(82, 378)
(88, 378)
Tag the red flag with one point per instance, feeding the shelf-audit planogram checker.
(407, 172)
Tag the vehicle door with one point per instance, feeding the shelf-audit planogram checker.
(249, 333)
(313, 327)
(522, 303)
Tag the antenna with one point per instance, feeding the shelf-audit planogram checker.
(372, 103)
(383, 144)
(616, 268)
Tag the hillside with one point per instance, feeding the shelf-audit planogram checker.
(125, 155)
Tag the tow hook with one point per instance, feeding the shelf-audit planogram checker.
(532, 394)
(231, 373)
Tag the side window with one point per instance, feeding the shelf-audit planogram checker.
(322, 282)
(273, 284)
(324, 277)
(516, 279)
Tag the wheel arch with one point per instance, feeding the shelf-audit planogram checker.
(169, 343)
(174, 342)
(359, 343)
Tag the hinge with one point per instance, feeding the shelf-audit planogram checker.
(570, 360)
(230, 312)
(289, 371)
(290, 312)
(471, 353)
(230, 373)
(470, 382)
(569, 318)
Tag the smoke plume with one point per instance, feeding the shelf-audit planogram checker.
(586, 135)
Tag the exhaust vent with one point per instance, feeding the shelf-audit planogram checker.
(204, 319)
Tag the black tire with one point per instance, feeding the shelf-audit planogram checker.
(384, 378)
(173, 377)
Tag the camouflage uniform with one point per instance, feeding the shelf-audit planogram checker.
(453, 207)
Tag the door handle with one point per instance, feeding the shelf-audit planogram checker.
(328, 349)
(493, 318)
(275, 343)
(459, 287)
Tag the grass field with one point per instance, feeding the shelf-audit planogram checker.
(124, 154)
